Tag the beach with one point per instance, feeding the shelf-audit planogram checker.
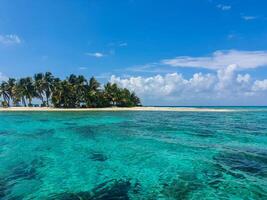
(144, 108)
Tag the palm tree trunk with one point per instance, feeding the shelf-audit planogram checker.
(47, 100)
(24, 102)
(30, 101)
(8, 102)
(42, 99)
(6, 99)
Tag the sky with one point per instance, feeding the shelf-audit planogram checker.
(179, 53)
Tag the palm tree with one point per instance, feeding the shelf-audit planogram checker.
(68, 95)
(74, 91)
(19, 92)
(29, 90)
(71, 88)
(94, 84)
(48, 84)
(112, 92)
(4, 93)
(39, 86)
(10, 84)
(124, 99)
(92, 93)
(57, 93)
(25, 90)
(81, 87)
(135, 99)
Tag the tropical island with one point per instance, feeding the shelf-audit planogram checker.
(72, 92)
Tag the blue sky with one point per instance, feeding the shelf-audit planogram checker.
(186, 52)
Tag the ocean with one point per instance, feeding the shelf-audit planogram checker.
(140, 155)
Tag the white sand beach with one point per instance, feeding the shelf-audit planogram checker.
(144, 108)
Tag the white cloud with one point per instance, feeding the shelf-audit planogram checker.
(221, 59)
(260, 85)
(167, 86)
(247, 18)
(225, 77)
(96, 54)
(243, 78)
(9, 39)
(225, 87)
(224, 7)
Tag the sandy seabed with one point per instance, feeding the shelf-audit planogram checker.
(144, 108)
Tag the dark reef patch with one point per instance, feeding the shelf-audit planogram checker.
(25, 171)
(160, 129)
(86, 131)
(110, 190)
(70, 123)
(22, 171)
(44, 132)
(3, 188)
(230, 172)
(182, 187)
(114, 189)
(128, 124)
(137, 188)
(5, 191)
(250, 127)
(204, 133)
(213, 176)
(98, 156)
(43, 120)
(249, 161)
(4, 132)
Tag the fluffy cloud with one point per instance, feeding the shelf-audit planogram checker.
(225, 87)
(96, 54)
(224, 7)
(260, 85)
(221, 59)
(9, 39)
(243, 78)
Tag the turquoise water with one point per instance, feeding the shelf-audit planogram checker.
(133, 155)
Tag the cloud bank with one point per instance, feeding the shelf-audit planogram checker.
(225, 87)
(221, 59)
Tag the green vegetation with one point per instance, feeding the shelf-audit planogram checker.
(73, 92)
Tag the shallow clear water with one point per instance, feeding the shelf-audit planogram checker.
(133, 155)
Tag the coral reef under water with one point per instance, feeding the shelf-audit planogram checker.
(109, 190)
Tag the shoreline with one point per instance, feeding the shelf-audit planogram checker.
(114, 109)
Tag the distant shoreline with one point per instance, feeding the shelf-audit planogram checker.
(150, 108)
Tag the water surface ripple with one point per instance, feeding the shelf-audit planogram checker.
(133, 155)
